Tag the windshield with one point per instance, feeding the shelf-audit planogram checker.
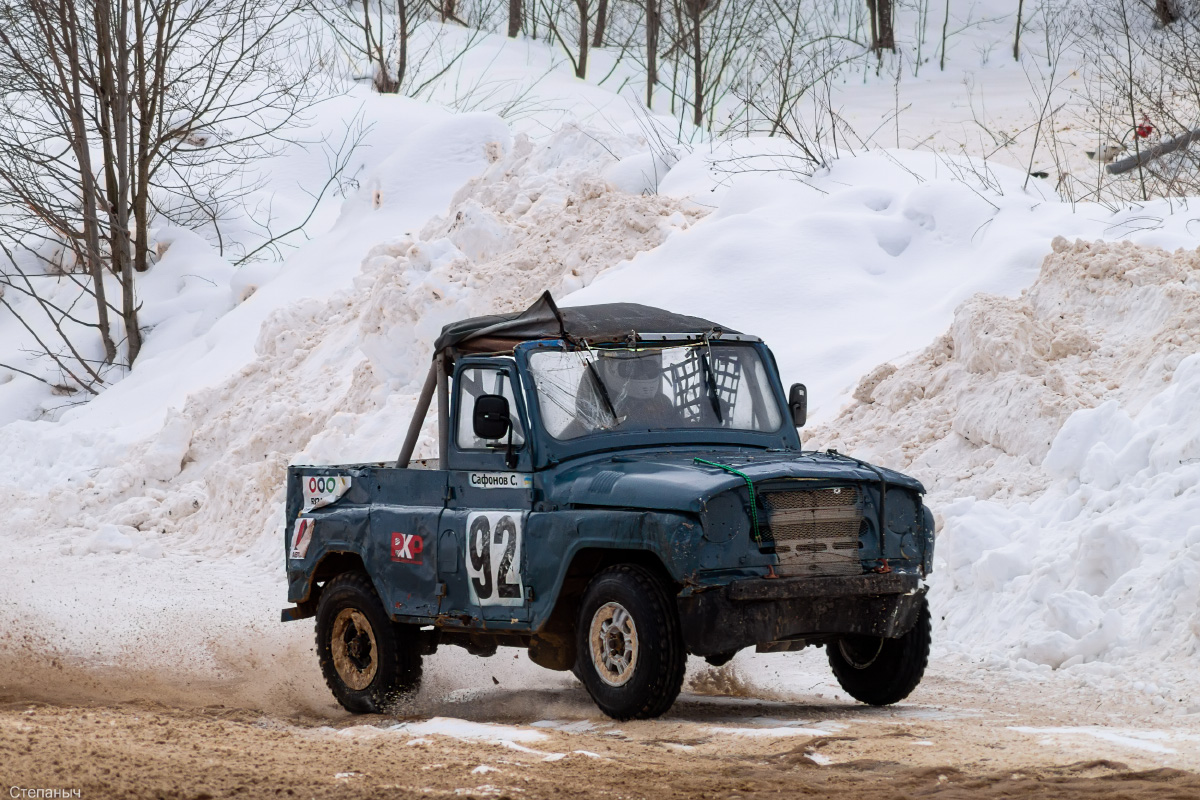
(652, 389)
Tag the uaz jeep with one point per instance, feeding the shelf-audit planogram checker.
(617, 487)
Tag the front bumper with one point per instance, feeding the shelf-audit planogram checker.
(750, 612)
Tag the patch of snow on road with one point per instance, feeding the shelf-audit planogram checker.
(1138, 740)
(768, 733)
(469, 731)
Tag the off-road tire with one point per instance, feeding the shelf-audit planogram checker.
(386, 651)
(882, 671)
(655, 675)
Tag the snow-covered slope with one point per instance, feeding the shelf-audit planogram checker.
(175, 538)
(145, 526)
(860, 264)
(1059, 434)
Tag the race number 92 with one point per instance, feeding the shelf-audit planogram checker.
(494, 558)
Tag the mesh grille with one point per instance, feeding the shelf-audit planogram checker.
(690, 384)
(815, 532)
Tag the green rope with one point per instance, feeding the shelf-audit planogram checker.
(749, 485)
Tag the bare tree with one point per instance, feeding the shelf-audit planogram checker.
(117, 112)
(710, 47)
(796, 59)
(378, 33)
(570, 29)
(653, 25)
(1142, 88)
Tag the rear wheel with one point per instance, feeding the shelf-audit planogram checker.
(630, 651)
(369, 662)
(882, 671)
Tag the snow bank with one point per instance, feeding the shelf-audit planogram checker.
(860, 264)
(175, 538)
(1047, 423)
(1059, 434)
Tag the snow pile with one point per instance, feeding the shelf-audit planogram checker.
(149, 521)
(175, 539)
(1059, 434)
(860, 264)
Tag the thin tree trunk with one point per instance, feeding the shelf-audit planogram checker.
(653, 22)
(581, 64)
(122, 118)
(694, 11)
(402, 45)
(1017, 37)
(887, 30)
(873, 13)
(945, 26)
(91, 220)
(514, 18)
(601, 21)
(384, 83)
(112, 56)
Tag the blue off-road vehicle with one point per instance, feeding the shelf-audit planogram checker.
(617, 487)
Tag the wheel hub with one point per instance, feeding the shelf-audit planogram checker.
(614, 644)
(355, 655)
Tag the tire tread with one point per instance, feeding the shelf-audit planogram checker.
(667, 681)
(394, 641)
(895, 673)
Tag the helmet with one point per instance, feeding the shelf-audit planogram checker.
(637, 376)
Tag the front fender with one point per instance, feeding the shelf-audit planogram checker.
(673, 540)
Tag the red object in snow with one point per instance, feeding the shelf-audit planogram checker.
(1145, 130)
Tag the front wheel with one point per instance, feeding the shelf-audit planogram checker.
(882, 671)
(368, 661)
(630, 650)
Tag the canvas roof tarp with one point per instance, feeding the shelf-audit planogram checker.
(607, 322)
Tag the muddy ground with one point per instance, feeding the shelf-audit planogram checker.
(952, 739)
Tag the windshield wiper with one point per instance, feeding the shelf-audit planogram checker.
(711, 382)
(603, 390)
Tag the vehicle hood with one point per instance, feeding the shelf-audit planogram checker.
(674, 481)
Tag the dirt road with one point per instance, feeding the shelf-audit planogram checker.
(951, 740)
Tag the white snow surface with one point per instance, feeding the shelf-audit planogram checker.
(1052, 417)
(1059, 435)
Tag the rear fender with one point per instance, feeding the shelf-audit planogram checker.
(337, 535)
(331, 564)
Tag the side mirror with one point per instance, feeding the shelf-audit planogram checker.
(491, 420)
(798, 403)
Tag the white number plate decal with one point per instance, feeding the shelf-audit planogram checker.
(493, 559)
(323, 490)
(500, 480)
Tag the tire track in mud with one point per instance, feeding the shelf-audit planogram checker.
(153, 751)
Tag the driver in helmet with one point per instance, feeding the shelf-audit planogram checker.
(635, 386)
